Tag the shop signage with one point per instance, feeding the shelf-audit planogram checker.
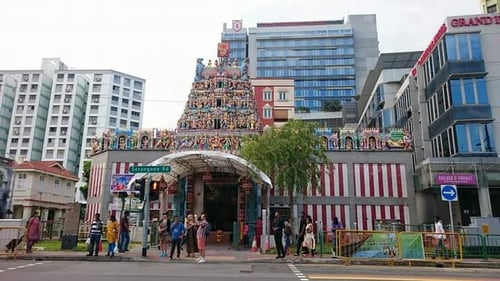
(456, 179)
(475, 21)
(430, 48)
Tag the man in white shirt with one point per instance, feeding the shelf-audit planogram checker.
(440, 238)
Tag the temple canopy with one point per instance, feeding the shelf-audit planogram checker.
(191, 162)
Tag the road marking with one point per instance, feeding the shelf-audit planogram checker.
(297, 272)
(23, 266)
(367, 278)
(1, 270)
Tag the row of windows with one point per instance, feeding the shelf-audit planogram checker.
(325, 83)
(117, 79)
(268, 96)
(403, 104)
(237, 45)
(304, 33)
(70, 77)
(324, 92)
(454, 47)
(315, 104)
(305, 62)
(23, 88)
(304, 53)
(320, 42)
(305, 72)
(22, 99)
(123, 124)
(469, 91)
(464, 138)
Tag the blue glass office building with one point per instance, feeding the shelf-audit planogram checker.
(450, 104)
(328, 60)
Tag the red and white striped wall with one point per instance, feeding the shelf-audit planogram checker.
(91, 210)
(380, 180)
(121, 168)
(367, 215)
(326, 213)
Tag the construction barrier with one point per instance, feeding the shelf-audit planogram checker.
(391, 246)
(12, 241)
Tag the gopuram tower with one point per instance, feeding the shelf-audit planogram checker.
(221, 108)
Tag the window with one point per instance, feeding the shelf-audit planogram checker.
(96, 88)
(97, 77)
(491, 9)
(56, 181)
(474, 138)
(126, 82)
(117, 79)
(21, 176)
(282, 95)
(123, 122)
(267, 113)
(34, 88)
(71, 77)
(138, 85)
(26, 77)
(35, 77)
(42, 178)
(60, 77)
(69, 88)
(59, 88)
(23, 88)
(267, 96)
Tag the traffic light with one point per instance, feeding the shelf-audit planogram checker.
(154, 191)
(140, 185)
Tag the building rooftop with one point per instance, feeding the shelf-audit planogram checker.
(46, 167)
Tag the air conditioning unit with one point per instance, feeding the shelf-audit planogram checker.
(66, 100)
(20, 100)
(16, 132)
(97, 79)
(18, 122)
(63, 133)
(26, 79)
(95, 100)
(65, 111)
(94, 122)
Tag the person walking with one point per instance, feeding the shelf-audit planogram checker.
(32, 231)
(440, 238)
(124, 239)
(278, 225)
(301, 233)
(201, 237)
(258, 230)
(95, 235)
(164, 233)
(112, 229)
(177, 231)
(336, 225)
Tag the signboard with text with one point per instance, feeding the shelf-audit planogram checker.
(455, 178)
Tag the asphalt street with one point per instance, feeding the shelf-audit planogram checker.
(21, 270)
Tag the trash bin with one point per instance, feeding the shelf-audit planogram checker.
(69, 242)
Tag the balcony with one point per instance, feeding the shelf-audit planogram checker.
(477, 113)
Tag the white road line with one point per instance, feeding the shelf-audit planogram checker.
(11, 268)
(1, 270)
(21, 266)
(297, 272)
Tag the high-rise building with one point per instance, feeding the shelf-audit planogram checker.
(57, 111)
(449, 102)
(328, 60)
(489, 6)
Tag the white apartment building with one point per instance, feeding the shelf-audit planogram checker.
(57, 111)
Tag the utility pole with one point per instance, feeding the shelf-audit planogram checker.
(146, 219)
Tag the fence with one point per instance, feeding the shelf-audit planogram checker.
(12, 240)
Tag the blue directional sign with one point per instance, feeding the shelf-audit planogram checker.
(449, 192)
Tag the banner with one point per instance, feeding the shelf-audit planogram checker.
(378, 245)
(456, 178)
(412, 246)
(120, 182)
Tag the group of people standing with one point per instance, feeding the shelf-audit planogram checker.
(306, 241)
(192, 234)
(117, 235)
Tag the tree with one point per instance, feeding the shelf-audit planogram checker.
(290, 154)
(84, 189)
(332, 105)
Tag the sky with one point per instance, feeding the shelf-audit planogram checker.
(160, 41)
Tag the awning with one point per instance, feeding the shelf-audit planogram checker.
(186, 163)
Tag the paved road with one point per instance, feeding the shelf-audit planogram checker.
(147, 271)
(385, 273)
(25, 270)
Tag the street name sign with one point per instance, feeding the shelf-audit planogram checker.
(149, 169)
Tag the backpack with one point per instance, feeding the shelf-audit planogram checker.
(207, 229)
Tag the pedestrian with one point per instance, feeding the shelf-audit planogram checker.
(164, 234)
(246, 231)
(258, 230)
(287, 231)
(190, 236)
(32, 231)
(124, 233)
(176, 231)
(301, 233)
(309, 240)
(278, 225)
(201, 236)
(439, 237)
(112, 229)
(336, 225)
(95, 235)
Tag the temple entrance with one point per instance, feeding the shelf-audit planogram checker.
(221, 201)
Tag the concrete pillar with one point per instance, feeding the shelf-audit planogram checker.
(485, 202)
(27, 213)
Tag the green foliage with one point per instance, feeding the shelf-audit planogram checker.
(332, 105)
(86, 178)
(290, 155)
(84, 189)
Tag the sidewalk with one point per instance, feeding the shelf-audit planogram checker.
(221, 254)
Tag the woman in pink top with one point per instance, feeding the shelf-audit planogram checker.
(32, 231)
